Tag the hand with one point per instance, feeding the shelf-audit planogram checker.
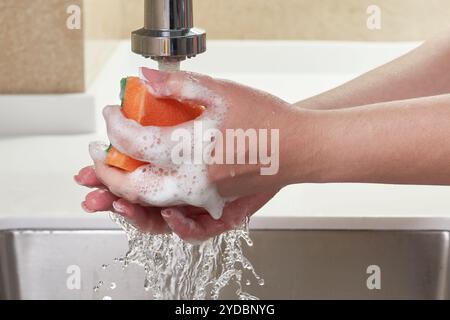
(190, 223)
(229, 107)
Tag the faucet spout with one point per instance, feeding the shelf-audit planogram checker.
(168, 33)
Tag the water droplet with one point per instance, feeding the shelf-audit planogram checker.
(261, 282)
(113, 286)
(107, 298)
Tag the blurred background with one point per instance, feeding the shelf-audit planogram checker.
(36, 44)
(61, 61)
(282, 19)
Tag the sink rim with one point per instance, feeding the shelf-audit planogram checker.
(257, 223)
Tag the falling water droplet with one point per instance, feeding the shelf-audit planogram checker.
(98, 286)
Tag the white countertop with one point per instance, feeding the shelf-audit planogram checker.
(36, 172)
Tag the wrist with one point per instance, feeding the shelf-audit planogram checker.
(306, 149)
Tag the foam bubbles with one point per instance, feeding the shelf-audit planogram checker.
(97, 150)
(165, 183)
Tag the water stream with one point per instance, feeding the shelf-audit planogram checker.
(176, 269)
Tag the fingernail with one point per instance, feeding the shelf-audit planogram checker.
(166, 213)
(78, 180)
(102, 191)
(85, 208)
(153, 78)
(119, 208)
(153, 75)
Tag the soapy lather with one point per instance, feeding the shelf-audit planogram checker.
(157, 181)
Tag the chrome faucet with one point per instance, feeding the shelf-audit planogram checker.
(168, 34)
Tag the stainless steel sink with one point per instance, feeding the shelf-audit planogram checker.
(296, 264)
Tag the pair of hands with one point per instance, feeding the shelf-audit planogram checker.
(245, 108)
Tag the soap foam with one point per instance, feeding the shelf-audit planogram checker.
(164, 187)
(97, 150)
(165, 183)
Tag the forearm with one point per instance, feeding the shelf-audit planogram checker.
(421, 72)
(401, 142)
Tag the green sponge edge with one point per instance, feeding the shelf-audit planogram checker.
(123, 85)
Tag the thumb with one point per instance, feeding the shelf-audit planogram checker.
(183, 86)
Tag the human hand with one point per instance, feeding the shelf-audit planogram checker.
(228, 106)
(190, 223)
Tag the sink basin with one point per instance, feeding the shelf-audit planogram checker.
(348, 241)
(295, 263)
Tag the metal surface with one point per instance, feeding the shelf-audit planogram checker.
(297, 264)
(168, 32)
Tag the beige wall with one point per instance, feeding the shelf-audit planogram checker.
(283, 19)
(39, 54)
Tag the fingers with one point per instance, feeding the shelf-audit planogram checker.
(99, 201)
(116, 180)
(147, 185)
(183, 86)
(155, 144)
(235, 212)
(193, 225)
(146, 219)
(87, 177)
(144, 186)
(148, 144)
(194, 229)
